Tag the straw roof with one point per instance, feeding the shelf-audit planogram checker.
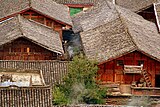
(46, 7)
(157, 13)
(39, 34)
(98, 13)
(112, 31)
(135, 5)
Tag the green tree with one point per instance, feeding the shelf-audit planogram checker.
(80, 85)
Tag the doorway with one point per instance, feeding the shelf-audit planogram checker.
(157, 81)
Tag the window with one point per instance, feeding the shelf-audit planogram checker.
(140, 62)
(120, 63)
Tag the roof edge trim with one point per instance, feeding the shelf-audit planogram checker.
(157, 20)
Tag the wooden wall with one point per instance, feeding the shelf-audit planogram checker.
(44, 20)
(23, 49)
(112, 71)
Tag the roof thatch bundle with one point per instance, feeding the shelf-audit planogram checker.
(46, 7)
(110, 31)
(39, 34)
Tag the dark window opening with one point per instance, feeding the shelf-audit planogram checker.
(140, 62)
(157, 81)
(120, 63)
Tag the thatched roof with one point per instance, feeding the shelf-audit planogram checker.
(46, 7)
(39, 34)
(135, 5)
(114, 31)
(98, 13)
(157, 13)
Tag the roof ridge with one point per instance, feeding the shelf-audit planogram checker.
(20, 24)
(29, 3)
(126, 27)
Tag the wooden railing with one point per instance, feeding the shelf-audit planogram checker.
(26, 96)
(133, 69)
(148, 91)
(27, 56)
(53, 71)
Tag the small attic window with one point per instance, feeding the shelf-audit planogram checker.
(1, 48)
(120, 63)
(140, 62)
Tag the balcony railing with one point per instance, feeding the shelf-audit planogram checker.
(132, 69)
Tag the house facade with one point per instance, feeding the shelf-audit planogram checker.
(125, 45)
(38, 32)
(116, 71)
(23, 39)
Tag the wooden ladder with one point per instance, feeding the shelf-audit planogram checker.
(146, 77)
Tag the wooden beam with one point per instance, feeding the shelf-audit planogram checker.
(79, 5)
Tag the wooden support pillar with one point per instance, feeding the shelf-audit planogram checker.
(45, 21)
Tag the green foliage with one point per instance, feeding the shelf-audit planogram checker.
(59, 97)
(74, 11)
(80, 84)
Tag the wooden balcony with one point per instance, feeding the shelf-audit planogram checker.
(132, 69)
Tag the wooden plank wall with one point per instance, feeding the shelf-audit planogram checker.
(112, 71)
(26, 97)
(53, 71)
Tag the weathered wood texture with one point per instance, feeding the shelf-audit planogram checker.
(151, 91)
(23, 49)
(44, 20)
(26, 97)
(112, 71)
(53, 71)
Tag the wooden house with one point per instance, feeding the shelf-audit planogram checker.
(23, 39)
(46, 12)
(126, 46)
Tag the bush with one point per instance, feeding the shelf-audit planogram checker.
(80, 84)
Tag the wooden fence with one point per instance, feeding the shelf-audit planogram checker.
(53, 71)
(26, 96)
